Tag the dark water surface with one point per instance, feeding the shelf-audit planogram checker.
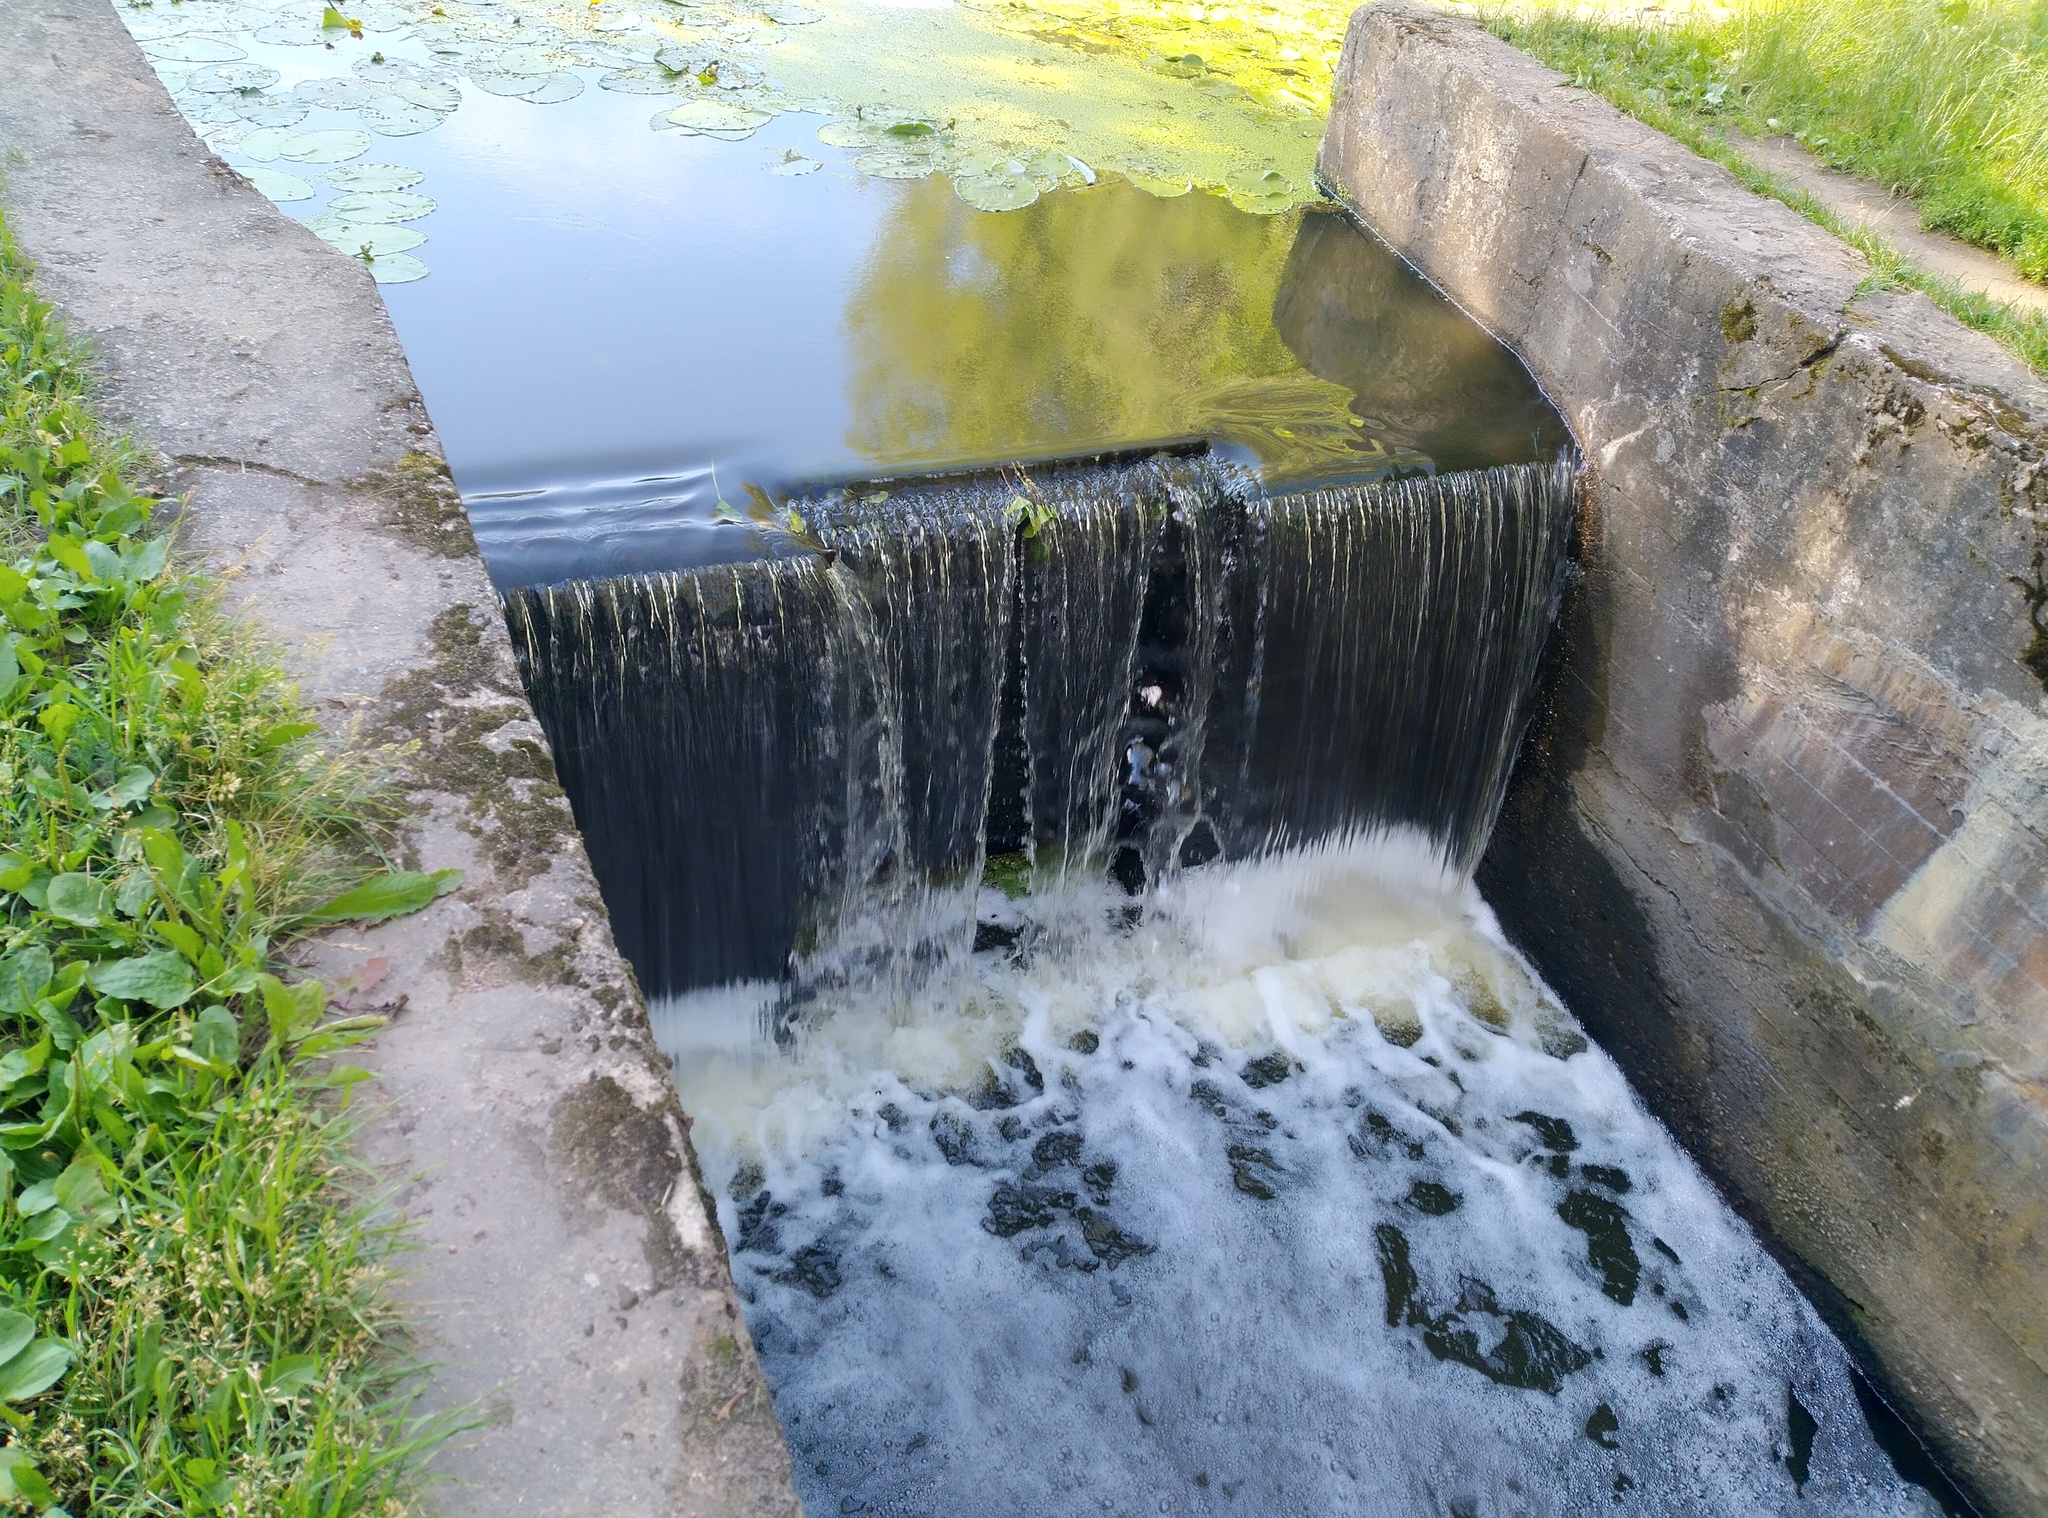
(616, 314)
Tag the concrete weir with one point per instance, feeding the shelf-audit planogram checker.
(1781, 838)
(568, 1280)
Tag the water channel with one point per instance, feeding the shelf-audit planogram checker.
(1034, 611)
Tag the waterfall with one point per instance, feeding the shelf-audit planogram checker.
(802, 768)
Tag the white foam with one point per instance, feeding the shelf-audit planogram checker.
(955, 1321)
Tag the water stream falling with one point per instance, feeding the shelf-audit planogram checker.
(1053, 890)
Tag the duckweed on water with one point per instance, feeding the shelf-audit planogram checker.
(1009, 101)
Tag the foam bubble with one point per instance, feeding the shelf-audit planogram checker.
(1293, 1191)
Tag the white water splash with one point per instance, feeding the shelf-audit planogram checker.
(1292, 1193)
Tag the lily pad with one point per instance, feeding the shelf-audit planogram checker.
(278, 185)
(429, 94)
(498, 82)
(373, 177)
(386, 70)
(996, 192)
(395, 268)
(336, 94)
(263, 144)
(381, 205)
(639, 80)
(381, 239)
(333, 145)
(1162, 186)
(784, 14)
(194, 50)
(393, 117)
(526, 60)
(555, 89)
(894, 163)
(271, 110)
(1265, 193)
(845, 134)
(228, 78)
(718, 118)
(624, 21)
(291, 34)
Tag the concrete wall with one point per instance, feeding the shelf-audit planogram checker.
(1781, 837)
(568, 1280)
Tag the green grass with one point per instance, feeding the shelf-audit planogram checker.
(1946, 102)
(194, 1315)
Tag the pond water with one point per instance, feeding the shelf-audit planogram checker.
(1262, 1176)
(616, 327)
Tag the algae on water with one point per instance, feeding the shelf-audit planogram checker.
(1008, 100)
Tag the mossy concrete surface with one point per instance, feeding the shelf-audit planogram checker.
(568, 1281)
(1781, 836)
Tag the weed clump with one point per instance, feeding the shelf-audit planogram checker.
(1941, 100)
(193, 1315)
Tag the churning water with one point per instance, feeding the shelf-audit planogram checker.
(1054, 895)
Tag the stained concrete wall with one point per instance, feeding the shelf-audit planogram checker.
(1781, 837)
(568, 1280)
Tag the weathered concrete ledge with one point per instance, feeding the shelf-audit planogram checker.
(1782, 837)
(569, 1281)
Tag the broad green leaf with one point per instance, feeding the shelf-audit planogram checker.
(23, 976)
(17, 1331)
(20, 1479)
(133, 784)
(292, 1374)
(293, 1010)
(391, 895)
(160, 978)
(75, 898)
(82, 1191)
(183, 938)
(216, 1036)
(57, 719)
(36, 1369)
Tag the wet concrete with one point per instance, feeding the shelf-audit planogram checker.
(1781, 838)
(568, 1281)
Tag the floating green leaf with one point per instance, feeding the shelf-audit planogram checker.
(396, 269)
(381, 205)
(228, 78)
(1002, 191)
(555, 89)
(716, 118)
(263, 144)
(1263, 192)
(895, 164)
(393, 117)
(278, 185)
(335, 94)
(845, 134)
(378, 240)
(335, 145)
(290, 34)
(1164, 186)
(639, 80)
(373, 177)
(194, 50)
(270, 110)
